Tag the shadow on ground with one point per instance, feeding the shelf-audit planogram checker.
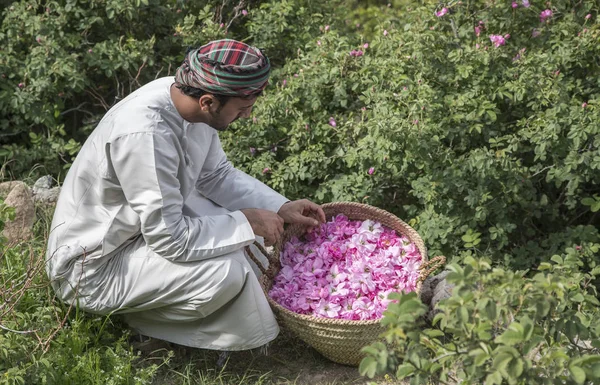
(288, 360)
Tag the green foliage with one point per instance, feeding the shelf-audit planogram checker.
(464, 138)
(101, 50)
(498, 327)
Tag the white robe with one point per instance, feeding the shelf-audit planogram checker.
(148, 224)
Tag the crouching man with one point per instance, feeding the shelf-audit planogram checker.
(152, 219)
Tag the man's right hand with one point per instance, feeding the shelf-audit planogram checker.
(266, 224)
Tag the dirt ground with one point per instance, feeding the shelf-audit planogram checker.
(288, 360)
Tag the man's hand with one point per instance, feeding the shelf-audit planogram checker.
(303, 212)
(265, 223)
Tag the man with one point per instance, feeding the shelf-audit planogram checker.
(152, 219)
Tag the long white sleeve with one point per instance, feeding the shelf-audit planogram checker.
(231, 188)
(147, 168)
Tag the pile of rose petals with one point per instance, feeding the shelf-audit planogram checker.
(345, 269)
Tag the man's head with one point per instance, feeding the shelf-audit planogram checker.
(223, 79)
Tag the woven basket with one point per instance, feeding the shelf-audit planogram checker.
(339, 340)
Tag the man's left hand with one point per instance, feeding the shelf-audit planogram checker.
(303, 212)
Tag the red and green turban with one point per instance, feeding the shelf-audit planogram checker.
(225, 67)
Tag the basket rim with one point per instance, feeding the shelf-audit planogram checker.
(275, 254)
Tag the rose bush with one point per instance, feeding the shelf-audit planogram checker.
(100, 51)
(479, 145)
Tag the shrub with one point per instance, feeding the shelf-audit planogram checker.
(102, 50)
(499, 327)
(480, 148)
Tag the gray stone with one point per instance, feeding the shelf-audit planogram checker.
(43, 192)
(441, 291)
(427, 290)
(48, 196)
(44, 183)
(22, 226)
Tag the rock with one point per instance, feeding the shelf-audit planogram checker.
(429, 286)
(6, 187)
(44, 183)
(47, 196)
(21, 228)
(441, 291)
(43, 192)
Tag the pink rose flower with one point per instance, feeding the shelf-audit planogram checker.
(442, 12)
(497, 40)
(545, 15)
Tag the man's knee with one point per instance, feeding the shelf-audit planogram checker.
(225, 285)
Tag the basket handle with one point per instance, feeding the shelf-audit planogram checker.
(268, 272)
(429, 267)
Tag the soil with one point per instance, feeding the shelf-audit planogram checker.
(288, 360)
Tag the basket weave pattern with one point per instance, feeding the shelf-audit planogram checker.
(337, 339)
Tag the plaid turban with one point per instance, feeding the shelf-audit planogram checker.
(225, 67)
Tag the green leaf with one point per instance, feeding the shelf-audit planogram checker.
(433, 333)
(577, 297)
(512, 335)
(515, 368)
(479, 356)
(491, 311)
(586, 360)
(527, 328)
(501, 361)
(368, 367)
(577, 374)
(493, 379)
(404, 371)
(463, 314)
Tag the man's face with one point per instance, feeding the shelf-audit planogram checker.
(223, 115)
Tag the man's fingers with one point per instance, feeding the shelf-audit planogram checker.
(307, 221)
(321, 213)
(316, 208)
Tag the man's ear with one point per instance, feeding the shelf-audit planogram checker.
(206, 102)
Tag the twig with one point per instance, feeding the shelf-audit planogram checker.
(449, 354)
(64, 320)
(158, 73)
(78, 108)
(237, 9)
(542, 170)
(99, 98)
(138, 74)
(17, 331)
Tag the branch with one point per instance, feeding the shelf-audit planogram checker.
(237, 14)
(99, 98)
(17, 331)
(542, 170)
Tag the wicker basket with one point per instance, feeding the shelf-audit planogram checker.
(339, 340)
